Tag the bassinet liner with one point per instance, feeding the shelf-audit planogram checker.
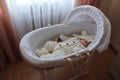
(81, 18)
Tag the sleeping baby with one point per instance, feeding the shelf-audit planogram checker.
(64, 45)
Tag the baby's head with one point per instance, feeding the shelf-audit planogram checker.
(84, 42)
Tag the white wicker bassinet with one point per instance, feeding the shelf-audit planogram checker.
(81, 18)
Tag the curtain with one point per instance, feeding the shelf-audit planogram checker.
(8, 40)
(28, 15)
(96, 3)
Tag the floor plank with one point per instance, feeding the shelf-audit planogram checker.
(98, 70)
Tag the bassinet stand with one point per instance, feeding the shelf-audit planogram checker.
(89, 55)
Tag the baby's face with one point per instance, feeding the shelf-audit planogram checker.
(84, 42)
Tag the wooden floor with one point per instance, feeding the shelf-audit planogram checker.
(98, 70)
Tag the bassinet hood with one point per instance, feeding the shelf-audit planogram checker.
(90, 14)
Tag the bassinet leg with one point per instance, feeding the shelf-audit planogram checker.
(85, 69)
(49, 74)
(80, 74)
(83, 72)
